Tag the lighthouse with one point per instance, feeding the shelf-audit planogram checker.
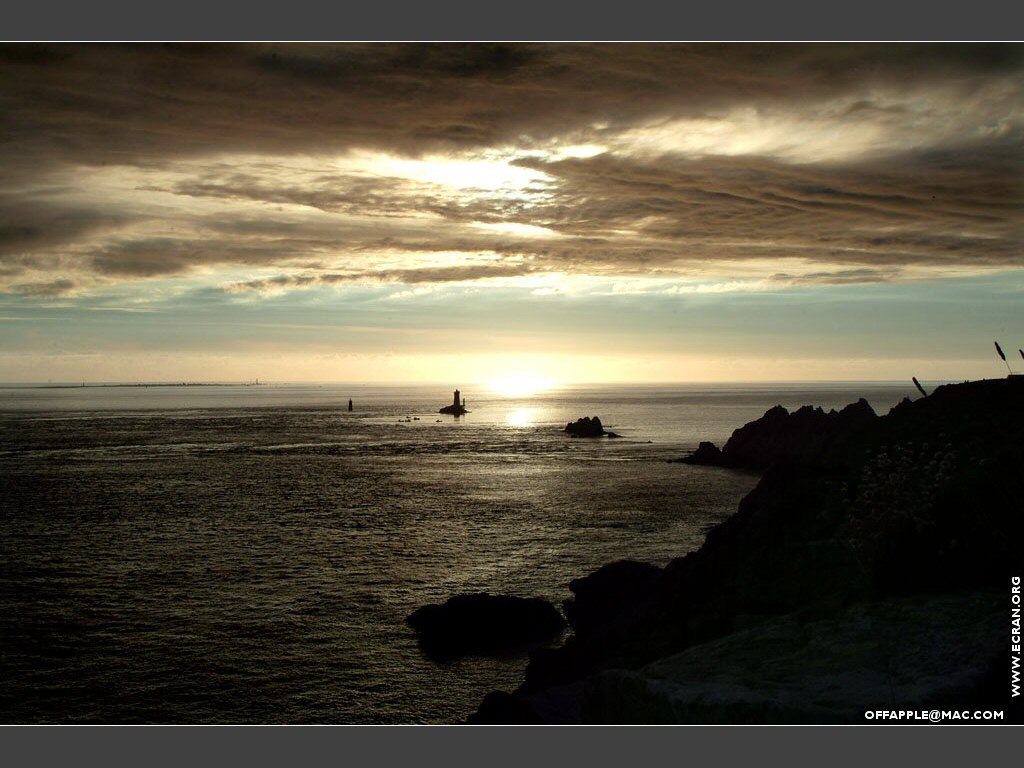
(458, 406)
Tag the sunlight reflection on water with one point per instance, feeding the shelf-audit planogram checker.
(250, 554)
(522, 417)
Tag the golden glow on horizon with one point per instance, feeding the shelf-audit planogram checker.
(520, 384)
(274, 363)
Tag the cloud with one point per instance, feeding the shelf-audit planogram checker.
(926, 210)
(53, 288)
(279, 283)
(29, 224)
(840, 277)
(277, 167)
(95, 103)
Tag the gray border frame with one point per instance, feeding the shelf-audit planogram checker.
(640, 20)
(497, 747)
(474, 20)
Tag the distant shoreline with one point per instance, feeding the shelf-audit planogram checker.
(150, 384)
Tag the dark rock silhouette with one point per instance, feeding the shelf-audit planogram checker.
(780, 436)
(706, 453)
(481, 624)
(606, 591)
(935, 651)
(587, 427)
(909, 523)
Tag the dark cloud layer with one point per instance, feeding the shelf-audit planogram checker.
(97, 103)
(932, 177)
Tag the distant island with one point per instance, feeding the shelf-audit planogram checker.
(457, 408)
(83, 385)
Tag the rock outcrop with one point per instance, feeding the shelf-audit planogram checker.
(483, 624)
(607, 591)
(586, 427)
(780, 436)
(919, 505)
(707, 453)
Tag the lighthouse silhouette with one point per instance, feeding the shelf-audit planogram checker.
(458, 406)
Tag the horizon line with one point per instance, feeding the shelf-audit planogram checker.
(73, 383)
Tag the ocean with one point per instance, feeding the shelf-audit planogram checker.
(248, 554)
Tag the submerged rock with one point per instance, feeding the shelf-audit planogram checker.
(481, 623)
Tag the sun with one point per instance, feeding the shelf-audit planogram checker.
(520, 384)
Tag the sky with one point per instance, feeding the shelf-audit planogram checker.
(546, 213)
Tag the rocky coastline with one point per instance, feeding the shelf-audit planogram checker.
(780, 437)
(869, 568)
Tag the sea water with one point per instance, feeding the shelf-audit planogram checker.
(249, 554)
